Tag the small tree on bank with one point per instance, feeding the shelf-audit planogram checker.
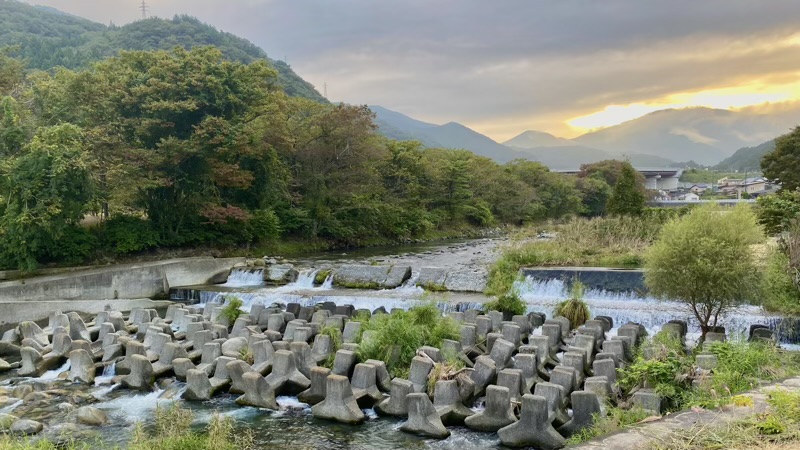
(704, 259)
(626, 198)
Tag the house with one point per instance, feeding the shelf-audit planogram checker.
(751, 186)
(691, 197)
(725, 182)
(699, 189)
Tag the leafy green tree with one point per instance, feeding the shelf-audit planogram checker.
(12, 131)
(11, 71)
(704, 260)
(626, 198)
(47, 190)
(595, 193)
(777, 211)
(783, 163)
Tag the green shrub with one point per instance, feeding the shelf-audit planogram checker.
(233, 309)
(128, 234)
(336, 343)
(775, 212)
(398, 335)
(574, 308)
(661, 363)
(510, 303)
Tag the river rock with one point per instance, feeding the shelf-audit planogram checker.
(89, 415)
(281, 274)
(466, 281)
(26, 427)
(371, 277)
(234, 346)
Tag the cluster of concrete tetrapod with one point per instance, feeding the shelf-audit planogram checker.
(537, 387)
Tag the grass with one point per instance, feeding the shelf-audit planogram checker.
(507, 303)
(172, 431)
(233, 309)
(601, 241)
(398, 335)
(575, 309)
(776, 429)
(336, 344)
(616, 420)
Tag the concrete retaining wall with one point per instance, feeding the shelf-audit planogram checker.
(125, 281)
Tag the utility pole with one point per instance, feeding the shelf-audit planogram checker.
(325, 89)
(143, 7)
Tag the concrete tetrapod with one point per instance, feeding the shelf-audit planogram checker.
(316, 393)
(141, 376)
(397, 403)
(81, 367)
(339, 403)
(285, 378)
(365, 389)
(497, 414)
(236, 370)
(423, 418)
(447, 401)
(584, 406)
(418, 373)
(198, 387)
(555, 404)
(257, 392)
(533, 428)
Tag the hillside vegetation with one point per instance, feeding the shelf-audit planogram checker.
(45, 38)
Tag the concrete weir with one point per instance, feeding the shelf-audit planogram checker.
(120, 287)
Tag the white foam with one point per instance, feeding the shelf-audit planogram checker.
(245, 277)
(51, 375)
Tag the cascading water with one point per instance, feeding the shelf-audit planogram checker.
(53, 374)
(245, 277)
(109, 372)
(652, 313)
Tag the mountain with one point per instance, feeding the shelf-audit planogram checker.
(47, 38)
(747, 158)
(704, 135)
(533, 139)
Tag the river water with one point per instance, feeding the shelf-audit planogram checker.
(293, 426)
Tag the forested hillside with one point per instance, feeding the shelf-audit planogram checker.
(747, 158)
(182, 149)
(45, 38)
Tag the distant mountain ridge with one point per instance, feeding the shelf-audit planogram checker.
(47, 38)
(747, 158)
(700, 135)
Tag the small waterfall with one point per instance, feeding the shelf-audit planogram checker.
(9, 408)
(305, 280)
(245, 277)
(328, 283)
(623, 307)
(109, 372)
(409, 286)
(137, 407)
(51, 375)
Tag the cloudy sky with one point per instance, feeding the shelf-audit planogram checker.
(504, 66)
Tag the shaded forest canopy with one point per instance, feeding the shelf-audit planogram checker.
(45, 38)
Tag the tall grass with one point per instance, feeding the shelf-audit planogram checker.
(602, 241)
(398, 335)
(575, 309)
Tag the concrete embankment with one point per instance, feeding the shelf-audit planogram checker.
(123, 287)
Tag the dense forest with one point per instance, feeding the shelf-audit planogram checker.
(45, 38)
(185, 148)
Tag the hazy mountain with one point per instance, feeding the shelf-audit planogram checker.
(747, 158)
(46, 37)
(704, 135)
(455, 135)
(533, 139)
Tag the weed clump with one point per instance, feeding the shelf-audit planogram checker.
(575, 309)
(233, 309)
(397, 336)
(509, 303)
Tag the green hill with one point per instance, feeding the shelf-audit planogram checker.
(747, 158)
(46, 38)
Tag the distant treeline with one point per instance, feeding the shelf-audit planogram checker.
(185, 148)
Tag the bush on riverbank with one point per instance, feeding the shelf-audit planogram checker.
(575, 309)
(397, 336)
(509, 303)
(663, 363)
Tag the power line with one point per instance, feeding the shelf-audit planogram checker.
(143, 8)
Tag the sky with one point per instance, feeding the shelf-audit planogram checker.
(505, 66)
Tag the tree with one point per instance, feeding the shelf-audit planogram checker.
(47, 189)
(704, 260)
(783, 163)
(626, 199)
(595, 192)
